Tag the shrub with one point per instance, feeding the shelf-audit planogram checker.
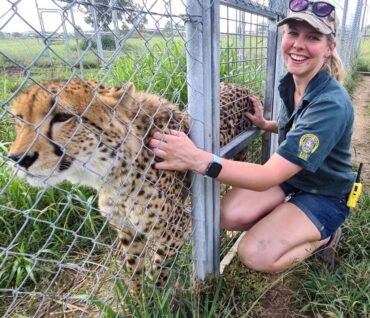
(108, 43)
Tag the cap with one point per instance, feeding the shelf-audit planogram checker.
(325, 25)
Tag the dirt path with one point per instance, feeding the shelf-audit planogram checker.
(361, 135)
(276, 303)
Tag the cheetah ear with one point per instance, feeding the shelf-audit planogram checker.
(126, 90)
(120, 96)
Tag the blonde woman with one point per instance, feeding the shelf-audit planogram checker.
(295, 203)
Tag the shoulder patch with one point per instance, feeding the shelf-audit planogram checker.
(307, 146)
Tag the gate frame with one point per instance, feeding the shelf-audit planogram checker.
(203, 50)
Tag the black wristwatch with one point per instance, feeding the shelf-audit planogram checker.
(214, 167)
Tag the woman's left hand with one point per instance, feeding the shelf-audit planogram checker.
(178, 152)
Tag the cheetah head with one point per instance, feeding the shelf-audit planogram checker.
(61, 128)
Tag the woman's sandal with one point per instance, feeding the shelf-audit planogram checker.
(327, 253)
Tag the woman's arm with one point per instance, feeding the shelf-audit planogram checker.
(179, 153)
(257, 118)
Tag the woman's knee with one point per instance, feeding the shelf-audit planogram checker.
(229, 219)
(257, 256)
(229, 216)
(236, 211)
(234, 218)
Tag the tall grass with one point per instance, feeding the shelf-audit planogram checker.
(363, 64)
(47, 224)
(346, 291)
(160, 69)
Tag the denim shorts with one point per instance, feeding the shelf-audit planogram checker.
(327, 212)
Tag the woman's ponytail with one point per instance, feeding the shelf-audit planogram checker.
(334, 66)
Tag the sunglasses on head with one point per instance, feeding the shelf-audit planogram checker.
(321, 8)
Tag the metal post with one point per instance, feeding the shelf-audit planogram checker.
(275, 69)
(42, 25)
(97, 33)
(270, 80)
(202, 76)
(115, 23)
(363, 14)
(359, 26)
(342, 40)
(215, 76)
(241, 34)
(354, 31)
(77, 36)
(66, 41)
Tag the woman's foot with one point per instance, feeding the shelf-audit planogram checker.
(328, 252)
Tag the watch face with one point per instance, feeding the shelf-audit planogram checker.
(213, 170)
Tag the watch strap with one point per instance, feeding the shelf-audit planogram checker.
(214, 167)
(216, 159)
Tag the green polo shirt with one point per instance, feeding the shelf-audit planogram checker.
(317, 135)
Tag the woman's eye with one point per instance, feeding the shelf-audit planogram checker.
(314, 37)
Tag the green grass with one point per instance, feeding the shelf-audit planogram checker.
(346, 291)
(48, 224)
(161, 70)
(27, 52)
(363, 64)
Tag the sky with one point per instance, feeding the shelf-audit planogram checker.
(14, 13)
(22, 15)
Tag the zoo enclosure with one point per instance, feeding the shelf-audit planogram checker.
(232, 41)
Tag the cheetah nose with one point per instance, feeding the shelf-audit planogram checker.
(24, 160)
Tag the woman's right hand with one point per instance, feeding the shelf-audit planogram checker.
(256, 118)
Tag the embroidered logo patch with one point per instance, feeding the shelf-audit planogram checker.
(307, 146)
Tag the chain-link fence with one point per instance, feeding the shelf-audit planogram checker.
(352, 16)
(96, 229)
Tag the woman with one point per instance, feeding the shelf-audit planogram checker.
(295, 203)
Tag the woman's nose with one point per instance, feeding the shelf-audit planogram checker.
(298, 42)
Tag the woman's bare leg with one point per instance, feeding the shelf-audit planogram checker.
(280, 239)
(242, 208)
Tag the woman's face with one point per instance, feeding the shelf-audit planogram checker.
(304, 49)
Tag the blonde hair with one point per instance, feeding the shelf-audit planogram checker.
(334, 64)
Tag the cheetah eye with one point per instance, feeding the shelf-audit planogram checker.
(60, 117)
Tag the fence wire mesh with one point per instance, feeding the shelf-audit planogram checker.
(83, 249)
(80, 248)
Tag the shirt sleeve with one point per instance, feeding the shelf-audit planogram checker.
(315, 133)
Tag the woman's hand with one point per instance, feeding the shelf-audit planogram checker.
(257, 118)
(178, 152)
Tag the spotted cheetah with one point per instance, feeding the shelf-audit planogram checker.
(234, 103)
(97, 136)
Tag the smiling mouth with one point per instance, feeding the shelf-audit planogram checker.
(298, 58)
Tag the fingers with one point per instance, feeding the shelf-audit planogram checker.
(176, 132)
(162, 144)
(156, 142)
(250, 116)
(164, 165)
(168, 137)
(159, 153)
(256, 102)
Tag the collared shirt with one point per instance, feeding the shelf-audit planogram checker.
(316, 135)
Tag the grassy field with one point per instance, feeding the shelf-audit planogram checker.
(364, 56)
(45, 228)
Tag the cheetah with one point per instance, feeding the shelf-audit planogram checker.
(94, 135)
(234, 102)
